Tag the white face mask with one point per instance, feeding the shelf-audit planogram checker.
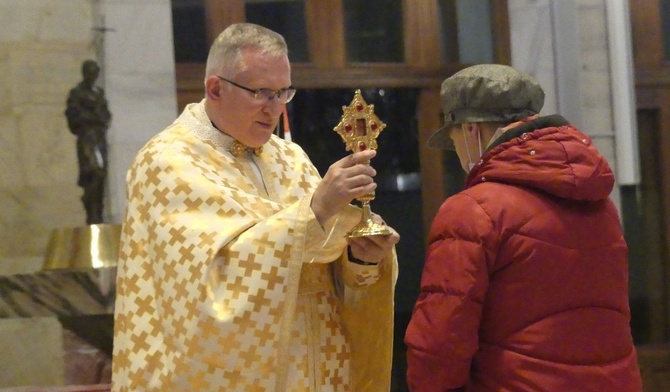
(467, 147)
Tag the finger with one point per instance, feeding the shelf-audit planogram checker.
(365, 170)
(364, 190)
(377, 218)
(360, 157)
(364, 249)
(359, 180)
(394, 238)
(369, 244)
(386, 241)
(368, 252)
(383, 241)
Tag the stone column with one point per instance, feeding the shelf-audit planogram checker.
(539, 48)
(139, 80)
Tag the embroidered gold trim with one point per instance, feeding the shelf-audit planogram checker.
(238, 148)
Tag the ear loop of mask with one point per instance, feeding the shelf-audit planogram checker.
(467, 147)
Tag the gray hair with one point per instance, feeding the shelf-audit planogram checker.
(224, 55)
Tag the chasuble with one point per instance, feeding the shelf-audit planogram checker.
(227, 282)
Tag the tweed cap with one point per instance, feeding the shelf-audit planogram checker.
(486, 92)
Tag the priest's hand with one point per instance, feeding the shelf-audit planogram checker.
(373, 249)
(346, 179)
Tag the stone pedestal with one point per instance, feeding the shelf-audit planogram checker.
(81, 301)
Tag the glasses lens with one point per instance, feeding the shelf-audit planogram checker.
(266, 94)
(288, 95)
(283, 95)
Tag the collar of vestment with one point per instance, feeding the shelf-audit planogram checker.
(196, 117)
(237, 148)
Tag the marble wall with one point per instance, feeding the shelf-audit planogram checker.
(571, 61)
(140, 84)
(42, 46)
(40, 58)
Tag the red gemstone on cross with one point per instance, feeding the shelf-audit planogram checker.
(348, 128)
(359, 107)
(362, 146)
(373, 125)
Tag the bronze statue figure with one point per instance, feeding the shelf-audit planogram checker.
(88, 118)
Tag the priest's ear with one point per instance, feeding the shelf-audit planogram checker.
(213, 88)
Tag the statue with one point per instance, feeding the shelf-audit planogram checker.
(88, 118)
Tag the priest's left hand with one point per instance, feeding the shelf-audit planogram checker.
(373, 249)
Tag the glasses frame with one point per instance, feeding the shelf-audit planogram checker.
(266, 93)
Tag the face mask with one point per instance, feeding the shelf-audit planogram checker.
(467, 148)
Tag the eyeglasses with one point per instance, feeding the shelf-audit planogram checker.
(284, 95)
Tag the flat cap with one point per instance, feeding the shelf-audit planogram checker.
(486, 92)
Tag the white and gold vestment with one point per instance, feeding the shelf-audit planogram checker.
(227, 282)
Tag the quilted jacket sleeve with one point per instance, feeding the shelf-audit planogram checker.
(442, 336)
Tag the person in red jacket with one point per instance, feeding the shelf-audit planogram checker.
(525, 284)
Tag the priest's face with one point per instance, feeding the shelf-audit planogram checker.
(247, 116)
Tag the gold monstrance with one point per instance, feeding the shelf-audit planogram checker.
(359, 128)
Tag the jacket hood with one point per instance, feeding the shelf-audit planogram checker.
(546, 154)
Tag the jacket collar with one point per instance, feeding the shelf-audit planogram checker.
(554, 120)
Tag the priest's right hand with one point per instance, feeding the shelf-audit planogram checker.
(346, 179)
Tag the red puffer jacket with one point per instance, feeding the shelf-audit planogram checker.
(525, 285)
